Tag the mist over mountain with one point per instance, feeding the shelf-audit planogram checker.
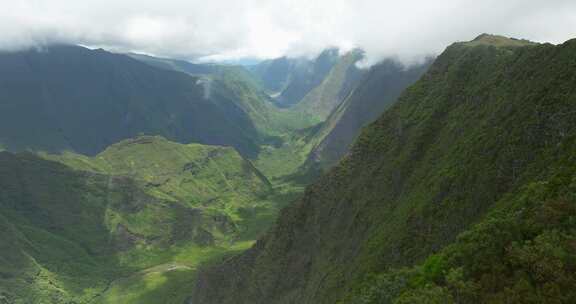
(410, 30)
(176, 64)
(377, 90)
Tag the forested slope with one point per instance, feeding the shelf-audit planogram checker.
(480, 147)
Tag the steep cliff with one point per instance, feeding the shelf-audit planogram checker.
(375, 92)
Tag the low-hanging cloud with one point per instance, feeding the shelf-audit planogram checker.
(234, 29)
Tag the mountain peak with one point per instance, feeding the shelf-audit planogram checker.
(498, 41)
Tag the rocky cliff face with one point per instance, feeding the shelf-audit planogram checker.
(290, 80)
(489, 117)
(342, 78)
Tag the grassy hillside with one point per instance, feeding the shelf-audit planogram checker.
(213, 178)
(129, 225)
(235, 84)
(70, 234)
(469, 174)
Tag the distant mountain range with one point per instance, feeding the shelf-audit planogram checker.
(72, 98)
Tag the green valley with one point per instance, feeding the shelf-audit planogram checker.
(90, 220)
(129, 225)
(287, 152)
(141, 215)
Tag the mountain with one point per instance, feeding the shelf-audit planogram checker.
(334, 88)
(379, 88)
(72, 98)
(283, 158)
(461, 192)
(345, 101)
(290, 79)
(129, 225)
(273, 73)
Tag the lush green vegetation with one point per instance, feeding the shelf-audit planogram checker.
(138, 217)
(498, 41)
(57, 239)
(129, 225)
(462, 191)
(283, 146)
(168, 282)
(346, 100)
(235, 84)
(522, 252)
(196, 175)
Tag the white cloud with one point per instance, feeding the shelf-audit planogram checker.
(229, 29)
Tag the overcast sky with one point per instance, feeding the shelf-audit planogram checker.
(234, 29)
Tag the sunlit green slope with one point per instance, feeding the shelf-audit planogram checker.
(129, 225)
(193, 174)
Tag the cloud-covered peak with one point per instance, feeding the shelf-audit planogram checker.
(235, 29)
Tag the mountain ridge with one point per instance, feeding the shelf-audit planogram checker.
(477, 127)
(72, 98)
